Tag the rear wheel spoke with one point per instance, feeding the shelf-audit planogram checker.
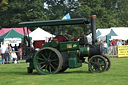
(41, 63)
(55, 63)
(43, 66)
(46, 68)
(54, 60)
(46, 53)
(52, 66)
(43, 56)
(40, 58)
(49, 55)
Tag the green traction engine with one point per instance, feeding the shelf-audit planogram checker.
(56, 56)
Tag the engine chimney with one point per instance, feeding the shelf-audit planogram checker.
(93, 29)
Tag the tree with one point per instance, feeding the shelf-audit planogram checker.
(56, 9)
(3, 5)
(122, 13)
(21, 11)
(110, 13)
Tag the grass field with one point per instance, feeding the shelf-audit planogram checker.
(16, 74)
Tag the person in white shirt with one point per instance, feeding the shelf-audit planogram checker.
(3, 49)
(14, 56)
(105, 48)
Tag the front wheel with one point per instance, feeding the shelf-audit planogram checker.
(97, 64)
(108, 62)
(48, 60)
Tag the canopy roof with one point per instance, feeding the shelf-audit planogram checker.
(98, 33)
(54, 22)
(122, 33)
(40, 34)
(20, 30)
(11, 34)
(112, 33)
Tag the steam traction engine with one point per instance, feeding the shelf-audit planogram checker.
(56, 56)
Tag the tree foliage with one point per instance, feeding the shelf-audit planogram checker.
(3, 5)
(110, 13)
(22, 10)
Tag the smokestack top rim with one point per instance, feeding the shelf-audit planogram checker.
(93, 16)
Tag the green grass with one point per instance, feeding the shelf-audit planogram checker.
(16, 74)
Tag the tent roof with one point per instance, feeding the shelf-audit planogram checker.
(112, 33)
(54, 22)
(122, 33)
(98, 33)
(11, 34)
(20, 30)
(39, 34)
(104, 31)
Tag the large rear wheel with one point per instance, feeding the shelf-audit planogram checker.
(48, 60)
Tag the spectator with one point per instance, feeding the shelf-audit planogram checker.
(105, 48)
(83, 39)
(0, 49)
(110, 49)
(14, 56)
(10, 45)
(1, 60)
(123, 42)
(114, 42)
(101, 41)
(126, 42)
(119, 42)
(20, 51)
(8, 54)
(3, 49)
(15, 47)
(75, 38)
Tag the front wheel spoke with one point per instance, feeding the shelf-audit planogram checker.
(52, 66)
(102, 67)
(93, 67)
(98, 61)
(92, 62)
(99, 68)
(101, 63)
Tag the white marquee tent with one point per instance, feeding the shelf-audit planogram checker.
(104, 32)
(39, 34)
(102, 36)
(122, 33)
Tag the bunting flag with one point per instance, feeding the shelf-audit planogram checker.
(67, 16)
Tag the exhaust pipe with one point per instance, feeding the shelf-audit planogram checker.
(93, 29)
